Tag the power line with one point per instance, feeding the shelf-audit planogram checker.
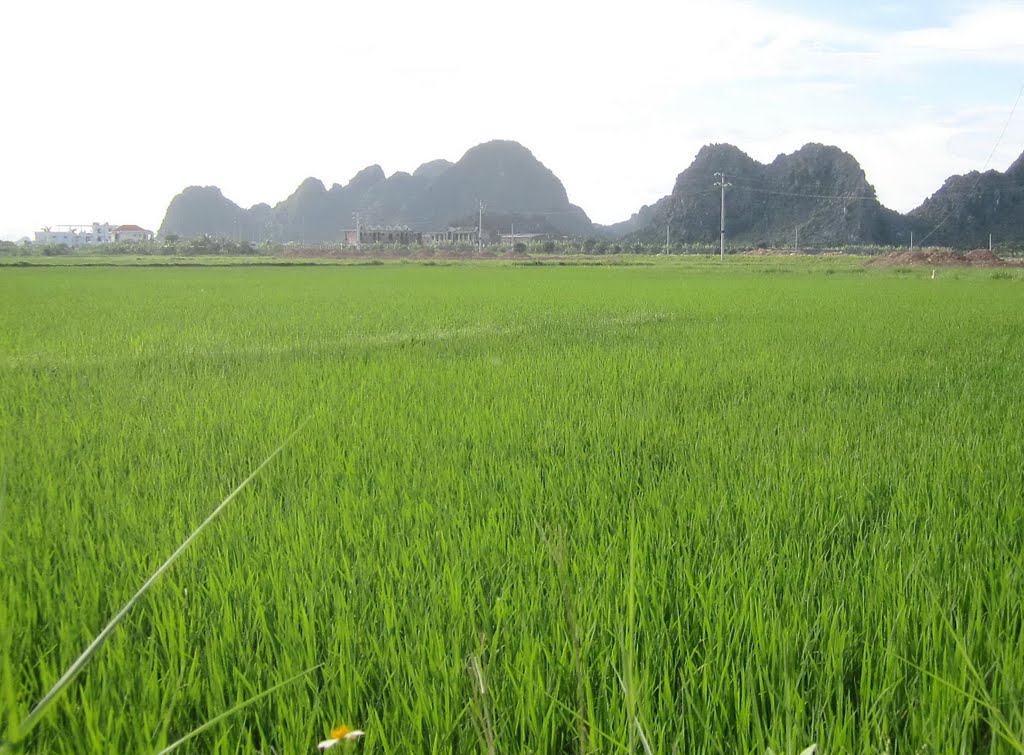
(963, 193)
(808, 196)
(744, 179)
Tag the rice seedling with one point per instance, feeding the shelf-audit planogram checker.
(667, 508)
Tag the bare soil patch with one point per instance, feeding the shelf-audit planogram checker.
(941, 258)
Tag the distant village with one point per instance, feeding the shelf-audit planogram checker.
(88, 235)
(403, 235)
(75, 236)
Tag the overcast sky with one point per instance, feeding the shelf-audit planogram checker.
(111, 108)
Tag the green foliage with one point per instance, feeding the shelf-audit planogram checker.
(169, 247)
(708, 510)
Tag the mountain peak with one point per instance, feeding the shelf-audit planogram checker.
(499, 147)
(201, 210)
(510, 181)
(311, 185)
(1017, 168)
(368, 176)
(717, 158)
(432, 169)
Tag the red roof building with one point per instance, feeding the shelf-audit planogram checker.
(132, 233)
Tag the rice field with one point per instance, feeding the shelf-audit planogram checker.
(672, 508)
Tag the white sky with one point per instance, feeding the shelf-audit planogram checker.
(110, 108)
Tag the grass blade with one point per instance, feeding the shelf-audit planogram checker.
(73, 670)
(231, 711)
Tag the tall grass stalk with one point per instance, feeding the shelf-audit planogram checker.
(79, 664)
(236, 709)
(483, 708)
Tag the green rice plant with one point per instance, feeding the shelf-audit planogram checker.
(26, 726)
(679, 507)
(232, 711)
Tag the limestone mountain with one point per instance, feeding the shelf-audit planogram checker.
(308, 213)
(818, 190)
(967, 208)
(513, 184)
(201, 211)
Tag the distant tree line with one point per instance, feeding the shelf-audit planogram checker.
(205, 246)
(172, 246)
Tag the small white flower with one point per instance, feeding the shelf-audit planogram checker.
(341, 734)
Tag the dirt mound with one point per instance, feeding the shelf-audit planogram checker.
(983, 257)
(939, 258)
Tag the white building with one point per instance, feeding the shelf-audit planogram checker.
(76, 235)
(87, 235)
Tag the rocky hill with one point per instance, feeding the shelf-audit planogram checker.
(514, 186)
(202, 210)
(818, 191)
(966, 209)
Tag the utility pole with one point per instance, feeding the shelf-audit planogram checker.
(990, 242)
(722, 183)
(359, 230)
(480, 229)
(668, 236)
(796, 247)
(911, 241)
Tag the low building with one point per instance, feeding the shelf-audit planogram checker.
(132, 233)
(525, 238)
(381, 234)
(452, 235)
